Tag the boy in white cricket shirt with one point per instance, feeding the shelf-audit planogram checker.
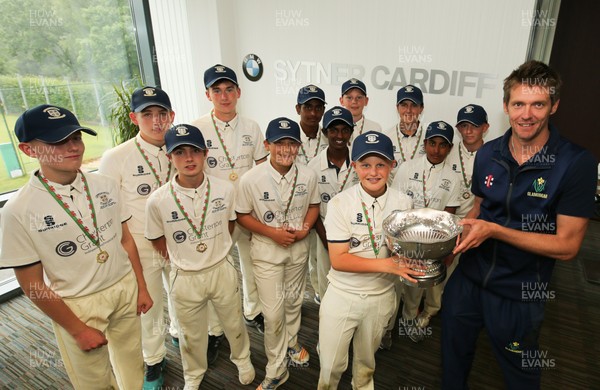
(334, 174)
(472, 124)
(279, 203)
(310, 106)
(430, 182)
(65, 234)
(407, 134)
(361, 297)
(140, 166)
(235, 145)
(354, 98)
(190, 221)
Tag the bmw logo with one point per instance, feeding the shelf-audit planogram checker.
(269, 216)
(179, 236)
(66, 248)
(212, 162)
(253, 67)
(144, 189)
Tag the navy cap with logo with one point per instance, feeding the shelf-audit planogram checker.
(410, 92)
(354, 83)
(440, 129)
(183, 134)
(336, 114)
(145, 97)
(372, 142)
(49, 124)
(281, 128)
(473, 114)
(219, 72)
(310, 92)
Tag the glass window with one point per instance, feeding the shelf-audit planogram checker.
(66, 53)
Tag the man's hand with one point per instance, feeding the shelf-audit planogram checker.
(477, 231)
(90, 338)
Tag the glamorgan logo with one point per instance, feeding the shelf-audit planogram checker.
(539, 185)
(54, 113)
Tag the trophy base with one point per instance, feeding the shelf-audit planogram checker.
(428, 280)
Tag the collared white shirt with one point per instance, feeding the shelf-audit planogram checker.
(244, 141)
(406, 147)
(264, 193)
(311, 147)
(166, 219)
(441, 184)
(465, 199)
(127, 166)
(347, 222)
(330, 180)
(34, 227)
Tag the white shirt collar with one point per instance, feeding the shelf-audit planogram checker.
(148, 147)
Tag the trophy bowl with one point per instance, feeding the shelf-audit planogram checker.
(425, 236)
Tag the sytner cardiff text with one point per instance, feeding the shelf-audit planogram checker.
(433, 81)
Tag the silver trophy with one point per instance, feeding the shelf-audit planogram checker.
(425, 236)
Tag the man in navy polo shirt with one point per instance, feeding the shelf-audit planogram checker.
(534, 194)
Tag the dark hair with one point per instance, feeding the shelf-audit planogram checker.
(534, 73)
(325, 129)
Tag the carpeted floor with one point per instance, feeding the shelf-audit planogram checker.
(29, 358)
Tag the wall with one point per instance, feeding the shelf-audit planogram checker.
(457, 51)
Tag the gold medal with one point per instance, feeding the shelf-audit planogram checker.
(102, 257)
(466, 195)
(202, 247)
(233, 176)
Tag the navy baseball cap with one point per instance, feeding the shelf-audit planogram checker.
(149, 96)
(184, 135)
(335, 114)
(219, 72)
(354, 83)
(372, 142)
(473, 114)
(49, 124)
(411, 93)
(310, 92)
(440, 129)
(281, 128)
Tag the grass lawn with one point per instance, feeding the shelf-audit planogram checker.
(94, 147)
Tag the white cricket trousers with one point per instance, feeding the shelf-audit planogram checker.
(280, 275)
(323, 266)
(344, 317)
(191, 291)
(154, 326)
(113, 311)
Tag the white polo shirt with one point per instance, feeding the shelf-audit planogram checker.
(165, 219)
(465, 196)
(127, 166)
(311, 147)
(264, 193)
(244, 141)
(441, 184)
(331, 180)
(362, 126)
(406, 147)
(346, 222)
(34, 227)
